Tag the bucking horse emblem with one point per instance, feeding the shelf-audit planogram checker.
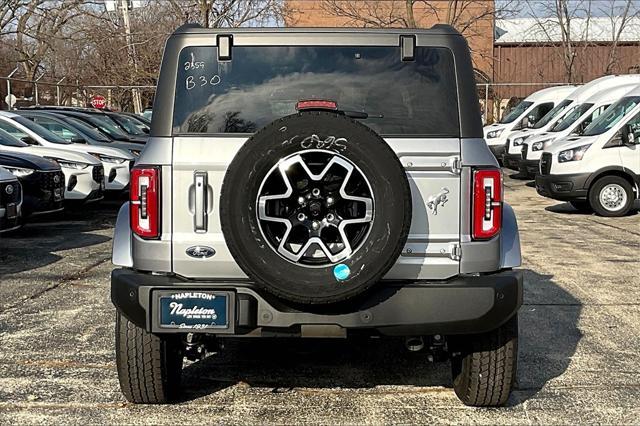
(439, 199)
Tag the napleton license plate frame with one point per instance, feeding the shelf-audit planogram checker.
(156, 312)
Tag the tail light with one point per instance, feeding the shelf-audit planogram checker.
(487, 203)
(316, 104)
(145, 201)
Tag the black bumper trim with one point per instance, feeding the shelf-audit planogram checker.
(511, 161)
(464, 305)
(529, 168)
(563, 187)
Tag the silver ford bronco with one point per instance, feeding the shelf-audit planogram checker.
(316, 183)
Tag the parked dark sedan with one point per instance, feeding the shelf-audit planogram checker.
(42, 182)
(75, 130)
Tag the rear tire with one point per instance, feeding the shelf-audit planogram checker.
(611, 196)
(149, 366)
(485, 369)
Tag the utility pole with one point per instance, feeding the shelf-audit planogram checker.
(137, 100)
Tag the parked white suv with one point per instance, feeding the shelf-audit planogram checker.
(524, 115)
(83, 174)
(574, 122)
(599, 169)
(116, 162)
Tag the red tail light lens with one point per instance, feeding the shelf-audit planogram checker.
(487, 203)
(144, 209)
(316, 104)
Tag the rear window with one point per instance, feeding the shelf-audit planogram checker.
(262, 84)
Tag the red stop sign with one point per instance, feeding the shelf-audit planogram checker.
(98, 101)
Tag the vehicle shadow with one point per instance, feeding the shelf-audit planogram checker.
(36, 244)
(518, 176)
(548, 339)
(567, 208)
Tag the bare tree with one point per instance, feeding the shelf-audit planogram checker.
(231, 13)
(474, 19)
(619, 18)
(565, 24)
(373, 13)
(30, 27)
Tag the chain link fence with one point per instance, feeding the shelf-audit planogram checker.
(41, 92)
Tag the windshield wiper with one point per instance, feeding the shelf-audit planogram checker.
(361, 115)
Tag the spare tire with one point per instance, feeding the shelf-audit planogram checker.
(315, 208)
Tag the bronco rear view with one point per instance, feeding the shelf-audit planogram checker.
(316, 183)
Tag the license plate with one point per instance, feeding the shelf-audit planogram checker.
(194, 310)
(57, 194)
(12, 211)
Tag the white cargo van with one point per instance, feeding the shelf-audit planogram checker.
(575, 122)
(599, 169)
(525, 114)
(513, 149)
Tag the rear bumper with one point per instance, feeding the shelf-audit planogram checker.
(464, 305)
(563, 187)
(511, 160)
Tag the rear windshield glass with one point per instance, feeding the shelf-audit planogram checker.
(516, 112)
(262, 84)
(552, 114)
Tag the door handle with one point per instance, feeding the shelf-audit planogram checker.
(200, 210)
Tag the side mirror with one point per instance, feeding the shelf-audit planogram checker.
(29, 140)
(531, 120)
(78, 139)
(627, 135)
(145, 130)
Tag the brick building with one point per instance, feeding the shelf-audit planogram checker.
(476, 18)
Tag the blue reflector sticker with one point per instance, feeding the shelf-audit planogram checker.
(341, 272)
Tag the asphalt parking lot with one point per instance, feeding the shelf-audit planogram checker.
(579, 339)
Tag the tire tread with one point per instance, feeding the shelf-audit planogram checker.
(146, 364)
(487, 369)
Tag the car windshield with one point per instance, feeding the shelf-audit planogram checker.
(40, 131)
(552, 114)
(571, 117)
(264, 83)
(128, 124)
(516, 112)
(612, 115)
(7, 139)
(92, 132)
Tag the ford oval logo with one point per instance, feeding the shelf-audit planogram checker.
(200, 252)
